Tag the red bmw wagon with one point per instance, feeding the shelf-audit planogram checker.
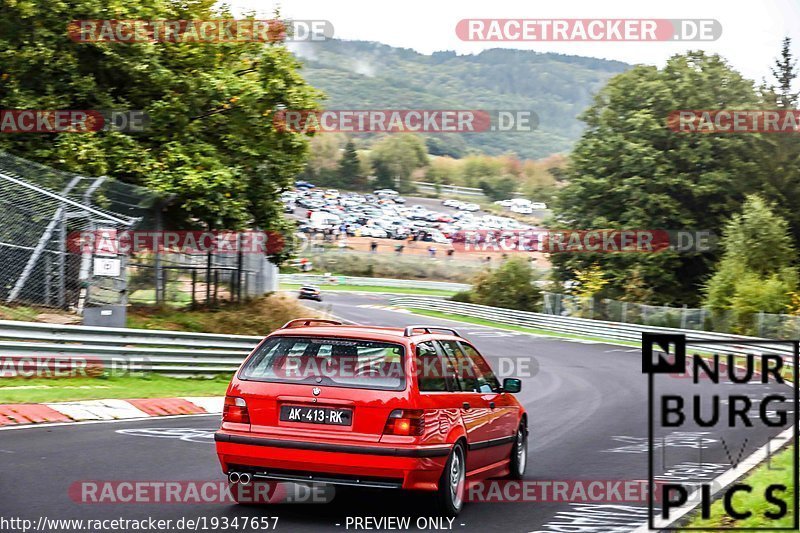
(412, 408)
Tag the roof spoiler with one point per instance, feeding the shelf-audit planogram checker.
(302, 322)
(409, 331)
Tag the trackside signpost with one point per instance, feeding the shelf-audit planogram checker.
(734, 409)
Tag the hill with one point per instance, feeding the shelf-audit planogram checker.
(368, 75)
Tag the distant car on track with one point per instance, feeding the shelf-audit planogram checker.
(415, 408)
(309, 292)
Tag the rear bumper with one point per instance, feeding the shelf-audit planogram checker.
(407, 467)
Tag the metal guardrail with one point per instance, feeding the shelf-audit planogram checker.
(182, 353)
(316, 279)
(615, 331)
(164, 352)
(449, 189)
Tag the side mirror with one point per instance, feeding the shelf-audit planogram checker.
(512, 385)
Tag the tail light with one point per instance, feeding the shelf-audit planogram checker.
(235, 410)
(405, 422)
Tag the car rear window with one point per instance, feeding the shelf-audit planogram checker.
(350, 363)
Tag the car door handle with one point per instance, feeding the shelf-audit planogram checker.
(491, 405)
(465, 406)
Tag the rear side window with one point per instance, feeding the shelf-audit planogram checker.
(487, 381)
(465, 372)
(434, 374)
(472, 371)
(332, 362)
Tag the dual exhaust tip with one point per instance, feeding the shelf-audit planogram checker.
(236, 477)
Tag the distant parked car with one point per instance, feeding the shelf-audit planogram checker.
(304, 185)
(374, 232)
(310, 292)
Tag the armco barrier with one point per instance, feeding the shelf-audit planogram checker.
(180, 353)
(614, 331)
(316, 279)
(165, 352)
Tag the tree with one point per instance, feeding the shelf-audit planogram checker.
(480, 167)
(395, 158)
(450, 145)
(442, 170)
(636, 289)
(785, 72)
(756, 271)
(350, 168)
(510, 286)
(589, 282)
(499, 189)
(324, 154)
(629, 171)
(539, 178)
(779, 154)
(211, 144)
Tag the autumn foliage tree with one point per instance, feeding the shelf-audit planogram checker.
(629, 171)
(210, 145)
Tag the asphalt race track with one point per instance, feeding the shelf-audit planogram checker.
(587, 404)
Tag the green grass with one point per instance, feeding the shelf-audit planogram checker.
(19, 312)
(258, 316)
(370, 288)
(166, 318)
(39, 390)
(777, 471)
(148, 297)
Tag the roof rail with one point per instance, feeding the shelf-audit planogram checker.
(302, 322)
(409, 331)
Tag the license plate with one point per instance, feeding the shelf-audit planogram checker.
(317, 415)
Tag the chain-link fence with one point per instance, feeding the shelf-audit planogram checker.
(50, 225)
(775, 326)
(40, 210)
(199, 279)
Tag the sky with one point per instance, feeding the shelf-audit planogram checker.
(752, 30)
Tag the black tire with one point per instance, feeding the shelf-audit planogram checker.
(519, 453)
(452, 484)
